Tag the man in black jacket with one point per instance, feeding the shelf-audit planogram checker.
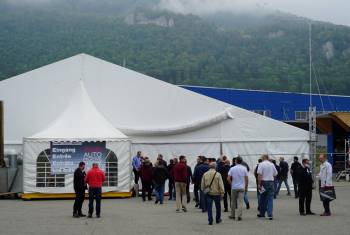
(160, 175)
(284, 169)
(227, 186)
(189, 181)
(79, 188)
(305, 188)
(171, 180)
(293, 171)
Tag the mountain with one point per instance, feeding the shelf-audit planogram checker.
(262, 51)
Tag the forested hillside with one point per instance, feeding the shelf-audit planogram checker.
(224, 50)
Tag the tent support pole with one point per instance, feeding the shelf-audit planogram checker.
(2, 161)
(221, 151)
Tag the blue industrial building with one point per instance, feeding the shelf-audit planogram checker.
(333, 112)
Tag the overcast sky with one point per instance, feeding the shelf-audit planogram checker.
(335, 11)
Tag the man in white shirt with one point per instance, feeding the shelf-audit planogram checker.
(238, 178)
(266, 176)
(326, 172)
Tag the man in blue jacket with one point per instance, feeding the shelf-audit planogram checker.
(199, 171)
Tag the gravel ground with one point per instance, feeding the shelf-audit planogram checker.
(132, 216)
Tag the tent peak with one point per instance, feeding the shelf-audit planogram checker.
(80, 120)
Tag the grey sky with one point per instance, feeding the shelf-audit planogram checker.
(335, 11)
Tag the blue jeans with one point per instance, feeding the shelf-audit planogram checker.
(216, 199)
(159, 191)
(280, 184)
(95, 194)
(246, 199)
(202, 201)
(266, 198)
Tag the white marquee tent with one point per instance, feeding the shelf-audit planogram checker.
(157, 116)
(80, 122)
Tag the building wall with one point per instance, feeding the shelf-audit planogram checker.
(280, 105)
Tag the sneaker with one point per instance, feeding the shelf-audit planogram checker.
(75, 215)
(248, 206)
(260, 216)
(231, 217)
(184, 209)
(82, 215)
(310, 213)
(302, 214)
(270, 218)
(90, 216)
(156, 202)
(98, 216)
(177, 210)
(325, 214)
(210, 223)
(226, 210)
(219, 221)
(197, 205)
(239, 218)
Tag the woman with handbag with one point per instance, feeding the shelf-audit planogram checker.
(327, 193)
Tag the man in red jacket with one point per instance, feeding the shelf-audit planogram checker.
(180, 178)
(95, 178)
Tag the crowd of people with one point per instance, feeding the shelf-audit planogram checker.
(214, 180)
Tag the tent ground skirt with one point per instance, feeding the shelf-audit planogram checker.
(30, 196)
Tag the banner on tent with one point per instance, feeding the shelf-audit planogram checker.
(65, 156)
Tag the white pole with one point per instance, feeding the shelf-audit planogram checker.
(312, 158)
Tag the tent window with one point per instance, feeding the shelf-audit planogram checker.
(44, 178)
(111, 169)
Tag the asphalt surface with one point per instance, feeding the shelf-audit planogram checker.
(132, 216)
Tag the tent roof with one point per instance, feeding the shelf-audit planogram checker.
(146, 109)
(80, 121)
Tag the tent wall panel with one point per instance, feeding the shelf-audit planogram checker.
(252, 151)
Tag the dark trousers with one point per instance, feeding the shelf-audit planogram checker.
(171, 189)
(202, 201)
(188, 195)
(146, 187)
(95, 194)
(136, 176)
(327, 209)
(216, 200)
(295, 184)
(196, 192)
(305, 196)
(78, 203)
(226, 195)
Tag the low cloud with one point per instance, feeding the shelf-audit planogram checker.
(200, 7)
(335, 11)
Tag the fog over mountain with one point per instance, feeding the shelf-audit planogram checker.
(335, 11)
(240, 44)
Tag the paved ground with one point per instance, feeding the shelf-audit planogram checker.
(132, 216)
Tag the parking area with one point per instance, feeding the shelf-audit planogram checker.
(132, 216)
